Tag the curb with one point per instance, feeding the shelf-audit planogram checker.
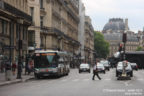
(15, 81)
(10, 82)
(26, 80)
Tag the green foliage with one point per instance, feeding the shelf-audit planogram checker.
(101, 46)
(139, 48)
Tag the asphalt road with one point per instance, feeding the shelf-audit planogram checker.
(76, 84)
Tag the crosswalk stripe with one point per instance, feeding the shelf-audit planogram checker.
(87, 79)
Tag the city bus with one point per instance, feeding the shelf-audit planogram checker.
(51, 63)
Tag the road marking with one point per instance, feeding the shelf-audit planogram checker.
(126, 83)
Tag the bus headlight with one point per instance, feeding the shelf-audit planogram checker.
(37, 70)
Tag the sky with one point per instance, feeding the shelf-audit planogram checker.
(101, 11)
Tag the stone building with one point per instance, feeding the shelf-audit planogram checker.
(89, 40)
(14, 22)
(113, 31)
(55, 25)
(116, 38)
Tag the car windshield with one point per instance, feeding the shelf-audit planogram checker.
(100, 65)
(104, 62)
(120, 65)
(84, 65)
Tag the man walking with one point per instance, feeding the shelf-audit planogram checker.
(95, 72)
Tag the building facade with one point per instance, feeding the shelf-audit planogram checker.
(14, 23)
(55, 25)
(89, 40)
(113, 32)
(115, 40)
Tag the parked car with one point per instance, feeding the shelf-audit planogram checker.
(106, 64)
(134, 66)
(84, 67)
(128, 69)
(101, 68)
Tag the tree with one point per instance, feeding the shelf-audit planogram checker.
(139, 48)
(100, 45)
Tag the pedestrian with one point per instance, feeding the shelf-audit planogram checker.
(30, 67)
(13, 68)
(7, 70)
(95, 72)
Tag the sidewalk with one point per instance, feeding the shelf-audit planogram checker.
(13, 79)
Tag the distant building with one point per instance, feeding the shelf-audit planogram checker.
(89, 40)
(113, 31)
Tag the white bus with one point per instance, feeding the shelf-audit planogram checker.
(49, 62)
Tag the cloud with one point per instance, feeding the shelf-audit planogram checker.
(101, 10)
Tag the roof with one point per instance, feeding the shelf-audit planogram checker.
(115, 24)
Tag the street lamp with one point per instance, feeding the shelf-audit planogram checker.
(73, 53)
(124, 39)
(20, 21)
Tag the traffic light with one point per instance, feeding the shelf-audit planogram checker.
(124, 37)
(120, 47)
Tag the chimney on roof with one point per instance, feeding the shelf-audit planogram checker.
(126, 24)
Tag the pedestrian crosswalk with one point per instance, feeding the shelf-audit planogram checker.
(89, 79)
(82, 80)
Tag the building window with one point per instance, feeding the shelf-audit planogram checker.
(12, 33)
(26, 33)
(0, 26)
(23, 29)
(17, 31)
(4, 27)
(41, 21)
(32, 12)
(41, 4)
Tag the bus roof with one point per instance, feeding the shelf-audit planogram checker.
(45, 51)
(50, 51)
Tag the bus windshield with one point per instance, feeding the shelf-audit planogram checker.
(45, 60)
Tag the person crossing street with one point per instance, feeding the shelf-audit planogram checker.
(95, 71)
